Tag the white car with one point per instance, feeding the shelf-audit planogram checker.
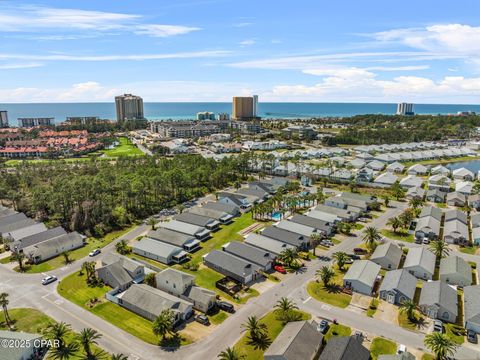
(94, 252)
(48, 280)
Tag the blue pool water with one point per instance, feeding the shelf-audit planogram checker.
(277, 216)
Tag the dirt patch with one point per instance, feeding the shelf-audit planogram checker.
(387, 312)
(196, 331)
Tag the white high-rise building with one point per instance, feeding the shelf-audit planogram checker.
(3, 119)
(405, 109)
(129, 107)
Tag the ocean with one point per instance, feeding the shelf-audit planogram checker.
(188, 110)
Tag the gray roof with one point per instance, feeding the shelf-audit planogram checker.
(261, 194)
(432, 211)
(17, 352)
(33, 229)
(46, 247)
(171, 237)
(16, 225)
(471, 301)
(204, 211)
(226, 208)
(249, 253)
(285, 236)
(310, 221)
(400, 280)
(6, 212)
(199, 294)
(127, 263)
(428, 224)
(390, 251)
(364, 271)
(176, 277)
(455, 265)
(273, 246)
(296, 227)
(231, 263)
(37, 238)
(438, 292)
(475, 219)
(299, 340)
(344, 348)
(420, 256)
(118, 272)
(195, 219)
(456, 215)
(12, 218)
(436, 192)
(153, 300)
(185, 228)
(156, 247)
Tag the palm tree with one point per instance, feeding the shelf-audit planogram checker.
(150, 280)
(152, 222)
(386, 201)
(395, 223)
(58, 332)
(439, 248)
(65, 352)
(19, 257)
(163, 324)
(284, 304)
(408, 307)
(416, 202)
(66, 257)
(230, 354)
(340, 258)
(315, 239)
(4, 304)
(406, 217)
(371, 236)
(118, 357)
(289, 256)
(254, 327)
(440, 345)
(122, 247)
(326, 274)
(87, 338)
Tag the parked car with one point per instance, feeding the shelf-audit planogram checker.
(94, 252)
(349, 261)
(472, 336)
(280, 269)
(49, 279)
(202, 319)
(359, 251)
(362, 219)
(323, 326)
(354, 257)
(418, 241)
(401, 349)
(438, 326)
(426, 241)
(225, 306)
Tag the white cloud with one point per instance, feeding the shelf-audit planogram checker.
(33, 19)
(19, 66)
(138, 57)
(247, 42)
(242, 24)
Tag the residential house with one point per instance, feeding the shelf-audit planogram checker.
(234, 267)
(231, 209)
(242, 201)
(149, 302)
(398, 286)
(362, 202)
(415, 192)
(428, 223)
(120, 272)
(456, 271)
(12, 218)
(25, 345)
(299, 340)
(411, 181)
(439, 169)
(344, 348)
(323, 227)
(386, 178)
(376, 165)
(357, 163)
(194, 230)
(348, 214)
(207, 222)
(222, 217)
(361, 276)
(456, 199)
(6, 228)
(181, 284)
(420, 262)
(50, 248)
(250, 253)
(327, 216)
(471, 308)
(455, 228)
(18, 234)
(18, 246)
(474, 201)
(274, 247)
(288, 237)
(435, 195)
(464, 187)
(440, 182)
(365, 175)
(159, 251)
(262, 195)
(294, 227)
(417, 169)
(395, 167)
(387, 255)
(438, 300)
(188, 242)
(463, 174)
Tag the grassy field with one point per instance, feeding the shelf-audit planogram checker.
(274, 328)
(125, 148)
(400, 235)
(332, 294)
(372, 309)
(455, 332)
(92, 243)
(472, 250)
(75, 289)
(35, 322)
(404, 322)
(337, 330)
(381, 346)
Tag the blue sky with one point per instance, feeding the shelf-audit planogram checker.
(209, 50)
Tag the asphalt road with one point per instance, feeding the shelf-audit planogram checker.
(26, 291)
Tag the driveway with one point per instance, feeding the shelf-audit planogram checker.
(387, 312)
(359, 303)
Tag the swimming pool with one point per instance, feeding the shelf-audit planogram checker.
(277, 216)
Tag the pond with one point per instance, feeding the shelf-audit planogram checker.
(472, 165)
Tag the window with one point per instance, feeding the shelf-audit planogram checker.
(446, 315)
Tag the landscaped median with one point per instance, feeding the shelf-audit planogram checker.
(332, 293)
(400, 235)
(274, 326)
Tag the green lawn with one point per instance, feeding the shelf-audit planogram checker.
(455, 333)
(372, 309)
(332, 294)
(404, 322)
(468, 250)
(218, 318)
(92, 243)
(358, 226)
(274, 328)
(428, 357)
(35, 322)
(75, 289)
(126, 148)
(337, 330)
(381, 346)
(400, 235)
